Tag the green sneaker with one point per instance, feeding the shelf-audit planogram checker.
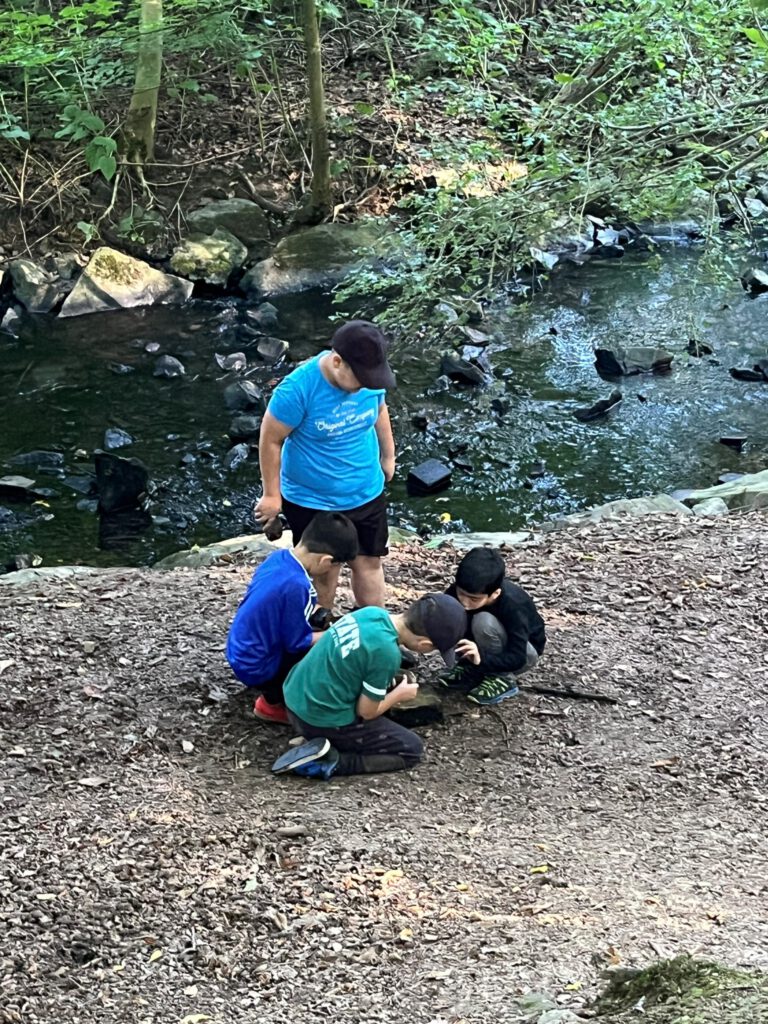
(455, 678)
(493, 690)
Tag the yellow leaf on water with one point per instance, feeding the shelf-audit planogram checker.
(155, 955)
(445, 517)
(44, 504)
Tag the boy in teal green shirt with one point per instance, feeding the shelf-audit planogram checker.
(336, 696)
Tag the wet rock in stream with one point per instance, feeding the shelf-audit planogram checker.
(245, 428)
(120, 483)
(619, 361)
(244, 396)
(114, 437)
(461, 371)
(168, 367)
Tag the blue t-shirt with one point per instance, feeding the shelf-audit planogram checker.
(272, 620)
(331, 457)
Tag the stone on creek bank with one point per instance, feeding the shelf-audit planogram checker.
(320, 257)
(24, 576)
(625, 362)
(113, 280)
(745, 492)
(212, 258)
(249, 548)
(239, 217)
(621, 507)
(36, 289)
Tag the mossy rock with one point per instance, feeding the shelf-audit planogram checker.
(210, 258)
(684, 991)
(321, 257)
(113, 280)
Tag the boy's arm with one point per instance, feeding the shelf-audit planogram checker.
(271, 439)
(368, 708)
(375, 696)
(386, 442)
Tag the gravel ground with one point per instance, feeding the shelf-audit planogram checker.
(152, 870)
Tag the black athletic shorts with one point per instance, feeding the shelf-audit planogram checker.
(370, 522)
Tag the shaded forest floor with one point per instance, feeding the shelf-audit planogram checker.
(152, 870)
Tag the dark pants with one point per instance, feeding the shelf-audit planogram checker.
(365, 747)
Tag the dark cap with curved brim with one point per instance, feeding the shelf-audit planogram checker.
(364, 348)
(444, 622)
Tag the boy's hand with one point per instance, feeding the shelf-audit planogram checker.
(468, 651)
(404, 691)
(266, 509)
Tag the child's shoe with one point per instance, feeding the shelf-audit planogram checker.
(324, 768)
(270, 712)
(493, 690)
(456, 678)
(302, 755)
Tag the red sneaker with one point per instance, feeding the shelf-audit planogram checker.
(270, 712)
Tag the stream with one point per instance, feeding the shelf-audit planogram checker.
(64, 382)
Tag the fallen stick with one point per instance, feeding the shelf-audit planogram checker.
(551, 691)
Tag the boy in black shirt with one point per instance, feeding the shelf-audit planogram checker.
(505, 633)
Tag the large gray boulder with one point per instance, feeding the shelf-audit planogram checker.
(113, 280)
(320, 257)
(210, 258)
(240, 217)
(36, 289)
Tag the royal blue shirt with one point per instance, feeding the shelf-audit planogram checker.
(272, 620)
(331, 457)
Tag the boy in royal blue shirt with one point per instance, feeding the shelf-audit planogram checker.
(271, 631)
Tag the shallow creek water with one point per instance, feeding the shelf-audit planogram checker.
(60, 390)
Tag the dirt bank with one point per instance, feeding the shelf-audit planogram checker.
(539, 844)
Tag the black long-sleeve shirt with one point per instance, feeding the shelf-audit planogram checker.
(515, 610)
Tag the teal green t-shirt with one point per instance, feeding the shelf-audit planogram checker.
(358, 654)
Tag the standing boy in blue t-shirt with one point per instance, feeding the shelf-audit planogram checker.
(326, 444)
(271, 632)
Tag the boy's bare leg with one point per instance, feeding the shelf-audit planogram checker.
(368, 581)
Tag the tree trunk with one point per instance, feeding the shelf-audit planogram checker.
(321, 169)
(139, 130)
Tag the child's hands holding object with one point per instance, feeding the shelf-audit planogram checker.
(405, 686)
(467, 650)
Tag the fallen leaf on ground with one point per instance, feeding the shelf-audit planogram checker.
(155, 955)
(92, 781)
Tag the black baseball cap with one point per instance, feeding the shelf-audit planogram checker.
(444, 621)
(362, 345)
